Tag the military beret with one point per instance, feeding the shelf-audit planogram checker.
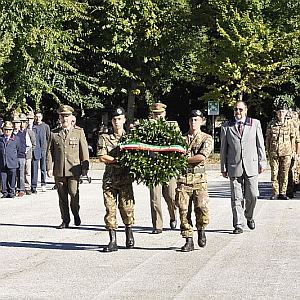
(282, 106)
(65, 110)
(30, 115)
(8, 125)
(118, 112)
(158, 107)
(195, 113)
(22, 117)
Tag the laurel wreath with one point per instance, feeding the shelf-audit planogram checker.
(154, 152)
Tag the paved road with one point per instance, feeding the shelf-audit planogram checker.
(38, 261)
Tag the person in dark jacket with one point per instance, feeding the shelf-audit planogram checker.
(45, 131)
(21, 134)
(41, 143)
(9, 146)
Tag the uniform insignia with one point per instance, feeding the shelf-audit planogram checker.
(119, 111)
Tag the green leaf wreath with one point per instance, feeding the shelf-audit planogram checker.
(154, 152)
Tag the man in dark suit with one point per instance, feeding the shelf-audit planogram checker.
(67, 160)
(45, 131)
(242, 159)
(9, 146)
(41, 143)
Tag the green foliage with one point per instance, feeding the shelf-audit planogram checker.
(38, 46)
(153, 168)
(140, 47)
(252, 50)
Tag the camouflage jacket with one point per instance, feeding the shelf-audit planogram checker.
(280, 138)
(201, 143)
(108, 145)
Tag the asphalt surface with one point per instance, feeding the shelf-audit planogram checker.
(38, 261)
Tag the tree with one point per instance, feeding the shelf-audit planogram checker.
(252, 51)
(38, 46)
(138, 49)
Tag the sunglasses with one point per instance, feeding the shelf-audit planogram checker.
(238, 109)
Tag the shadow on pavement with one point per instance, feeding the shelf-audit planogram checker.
(50, 245)
(222, 190)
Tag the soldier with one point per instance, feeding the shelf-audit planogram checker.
(294, 167)
(280, 138)
(68, 151)
(158, 110)
(117, 185)
(192, 186)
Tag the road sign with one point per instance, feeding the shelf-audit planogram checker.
(213, 108)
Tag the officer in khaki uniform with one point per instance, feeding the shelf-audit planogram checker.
(158, 110)
(280, 138)
(67, 160)
(192, 186)
(117, 184)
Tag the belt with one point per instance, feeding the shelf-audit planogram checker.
(196, 170)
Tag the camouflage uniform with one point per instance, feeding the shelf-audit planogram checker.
(280, 138)
(192, 186)
(294, 170)
(116, 185)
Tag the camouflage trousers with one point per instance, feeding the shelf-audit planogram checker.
(198, 195)
(280, 166)
(121, 195)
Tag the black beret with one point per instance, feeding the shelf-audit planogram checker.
(118, 112)
(282, 106)
(195, 113)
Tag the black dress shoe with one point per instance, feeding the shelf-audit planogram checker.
(63, 225)
(272, 197)
(4, 196)
(77, 220)
(251, 224)
(237, 230)
(157, 231)
(173, 224)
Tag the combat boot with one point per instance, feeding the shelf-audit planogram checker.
(188, 246)
(129, 237)
(112, 245)
(201, 238)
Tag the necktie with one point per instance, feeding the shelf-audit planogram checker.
(241, 128)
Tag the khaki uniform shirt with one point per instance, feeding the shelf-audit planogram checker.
(201, 143)
(114, 173)
(69, 153)
(280, 138)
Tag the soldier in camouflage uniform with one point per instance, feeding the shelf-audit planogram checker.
(117, 184)
(158, 110)
(295, 163)
(280, 140)
(192, 186)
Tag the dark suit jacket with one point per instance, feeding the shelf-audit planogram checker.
(41, 142)
(9, 152)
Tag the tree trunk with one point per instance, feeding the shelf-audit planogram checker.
(131, 105)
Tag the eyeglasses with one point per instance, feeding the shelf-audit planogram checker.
(238, 109)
